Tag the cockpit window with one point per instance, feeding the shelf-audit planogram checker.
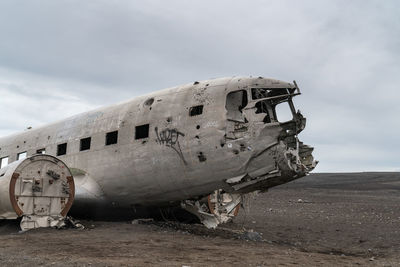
(235, 102)
(276, 109)
(283, 112)
(259, 93)
(262, 107)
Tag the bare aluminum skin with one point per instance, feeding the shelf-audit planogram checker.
(236, 145)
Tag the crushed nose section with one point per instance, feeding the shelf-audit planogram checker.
(306, 157)
(297, 163)
(278, 156)
(298, 155)
(219, 207)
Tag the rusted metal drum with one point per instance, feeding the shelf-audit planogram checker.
(40, 189)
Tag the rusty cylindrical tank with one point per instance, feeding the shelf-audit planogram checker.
(40, 189)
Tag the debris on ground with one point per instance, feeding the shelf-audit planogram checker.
(72, 223)
(143, 221)
(251, 236)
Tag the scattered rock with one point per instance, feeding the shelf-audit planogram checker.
(71, 222)
(143, 221)
(251, 236)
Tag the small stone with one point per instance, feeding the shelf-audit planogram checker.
(252, 236)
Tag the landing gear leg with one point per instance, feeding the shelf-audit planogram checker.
(220, 207)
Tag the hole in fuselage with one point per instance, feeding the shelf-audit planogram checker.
(149, 102)
(201, 157)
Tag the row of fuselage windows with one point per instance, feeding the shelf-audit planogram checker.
(141, 131)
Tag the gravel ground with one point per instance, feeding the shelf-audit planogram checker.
(322, 219)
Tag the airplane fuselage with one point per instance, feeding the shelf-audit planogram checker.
(180, 143)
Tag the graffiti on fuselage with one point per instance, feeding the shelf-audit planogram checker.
(170, 138)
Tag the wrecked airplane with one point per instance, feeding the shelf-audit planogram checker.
(201, 146)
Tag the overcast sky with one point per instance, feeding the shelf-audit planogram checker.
(59, 58)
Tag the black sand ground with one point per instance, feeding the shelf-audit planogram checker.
(322, 219)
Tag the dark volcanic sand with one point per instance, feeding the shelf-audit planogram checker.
(322, 219)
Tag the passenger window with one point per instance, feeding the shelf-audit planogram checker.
(196, 110)
(21, 155)
(41, 151)
(142, 131)
(85, 144)
(62, 149)
(235, 102)
(111, 138)
(3, 162)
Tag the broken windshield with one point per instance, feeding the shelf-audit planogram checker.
(259, 93)
(283, 112)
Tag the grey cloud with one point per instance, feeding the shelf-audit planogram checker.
(343, 54)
